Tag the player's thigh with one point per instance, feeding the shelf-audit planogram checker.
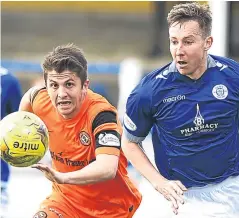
(53, 209)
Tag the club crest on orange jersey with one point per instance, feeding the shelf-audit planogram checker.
(84, 138)
(40, 214)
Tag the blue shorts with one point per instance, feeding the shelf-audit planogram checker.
(216, 200)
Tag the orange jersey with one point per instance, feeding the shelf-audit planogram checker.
(73, 146)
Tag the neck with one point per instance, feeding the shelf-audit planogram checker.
(76, 112)
(200, 70)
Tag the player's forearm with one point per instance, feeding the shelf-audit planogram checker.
(93, 173)
(140, 161)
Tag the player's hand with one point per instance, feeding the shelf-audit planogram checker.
(173, 191)
(50, 173)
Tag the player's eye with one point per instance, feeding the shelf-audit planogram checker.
(69, 85)
(53, 85)
(188, 42)
(174, 42)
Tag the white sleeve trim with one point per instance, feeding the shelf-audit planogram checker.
(132, 138)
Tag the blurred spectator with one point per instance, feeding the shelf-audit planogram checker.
(159, 26)
(10, 98)
(159, 23)
(39, 81)
(130, 73)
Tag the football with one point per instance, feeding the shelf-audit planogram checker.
(24, 139)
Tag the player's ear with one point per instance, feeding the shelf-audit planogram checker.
(208, 43)
(84, 88)
(85, 85)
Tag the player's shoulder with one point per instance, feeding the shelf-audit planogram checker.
(37, 91)
(94, 98)
(226, 63)
(97, 103)
(225, 60)
(163, 70)
(158, 79)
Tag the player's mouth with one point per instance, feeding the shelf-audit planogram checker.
(182, 64)
(64, 104)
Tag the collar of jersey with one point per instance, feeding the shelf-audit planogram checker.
(173, 69)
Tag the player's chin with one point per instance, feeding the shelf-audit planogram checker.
(185, 72)
(65, 110)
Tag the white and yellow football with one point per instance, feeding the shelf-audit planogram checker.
(24, 139)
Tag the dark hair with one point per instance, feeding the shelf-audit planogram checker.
(192, 11)
(66, 57)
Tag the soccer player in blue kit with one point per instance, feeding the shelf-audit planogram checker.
(10, 99)
(191, 106)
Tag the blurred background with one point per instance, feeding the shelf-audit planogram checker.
(108, 32)
(122, 42)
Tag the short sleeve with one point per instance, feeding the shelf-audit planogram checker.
(106, 131)
(138, 119)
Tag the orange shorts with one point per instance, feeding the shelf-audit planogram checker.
(59, 208)
(52, 209)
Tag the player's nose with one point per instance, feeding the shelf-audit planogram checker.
(62, 92)
(179, 49)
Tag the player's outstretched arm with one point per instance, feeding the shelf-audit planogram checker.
(28, 98)
(171, 190)
(104, 168)
(25, 104)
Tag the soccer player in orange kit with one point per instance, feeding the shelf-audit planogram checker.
(89, 173)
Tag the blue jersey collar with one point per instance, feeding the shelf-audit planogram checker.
(210, 63)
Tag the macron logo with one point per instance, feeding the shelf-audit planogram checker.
(162, 75)
(222, 66)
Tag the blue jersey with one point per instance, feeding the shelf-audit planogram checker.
(10, 93)
(194, 123)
